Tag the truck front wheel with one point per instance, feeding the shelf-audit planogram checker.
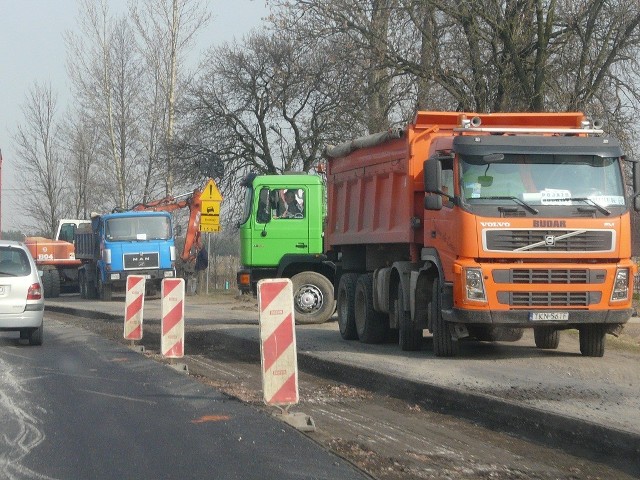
(346, 306)
(313, 298)
(104, 291)
(592, 338)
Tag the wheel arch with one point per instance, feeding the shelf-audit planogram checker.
(292, 264)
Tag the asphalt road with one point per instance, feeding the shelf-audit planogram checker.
(557, 396)
(84, 407)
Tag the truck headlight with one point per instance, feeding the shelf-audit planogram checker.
(620, 285)
(168, 273)
(474, 284)
(115, 276)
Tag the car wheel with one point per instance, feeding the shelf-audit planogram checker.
(35, 336)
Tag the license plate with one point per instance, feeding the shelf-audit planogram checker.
(548, 316)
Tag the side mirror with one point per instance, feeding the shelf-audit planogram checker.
(432, 170)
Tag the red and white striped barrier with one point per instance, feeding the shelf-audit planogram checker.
(134, 304)
(172, 324)
(278, 342)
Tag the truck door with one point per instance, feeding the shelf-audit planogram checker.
(281, 224)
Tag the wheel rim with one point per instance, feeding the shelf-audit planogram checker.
(308, 298)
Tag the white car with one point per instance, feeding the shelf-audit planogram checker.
(21, 294)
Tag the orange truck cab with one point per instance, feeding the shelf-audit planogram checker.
(476, 226)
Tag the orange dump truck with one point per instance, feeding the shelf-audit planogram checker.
(476, 226)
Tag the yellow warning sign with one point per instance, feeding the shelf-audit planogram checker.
(211, 192)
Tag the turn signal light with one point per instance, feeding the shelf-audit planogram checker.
(244, 279)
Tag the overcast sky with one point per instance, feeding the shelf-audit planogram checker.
(32, 49)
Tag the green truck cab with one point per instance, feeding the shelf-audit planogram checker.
(281, 236)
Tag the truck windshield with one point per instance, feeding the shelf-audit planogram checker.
(542, 180)
(138, 228)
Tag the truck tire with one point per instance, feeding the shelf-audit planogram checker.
(443, 343)
(51, 283)
(346, 306)
(592, 339)
(409, 336)
(372, 326)
(313, 298)
(82, 284)
(104, 291)
(546, 337)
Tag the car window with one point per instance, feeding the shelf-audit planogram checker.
(14, 262)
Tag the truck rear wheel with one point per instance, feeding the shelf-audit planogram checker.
(546, 337)
(346, 306)
(372, 326)
(82, 284)
(409, 336)
(443, 343)
(592, 339)
(313, 298)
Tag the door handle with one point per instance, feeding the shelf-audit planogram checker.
(301, 245)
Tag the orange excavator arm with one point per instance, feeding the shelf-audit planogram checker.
(193, 240)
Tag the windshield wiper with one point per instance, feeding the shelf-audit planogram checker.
(590, 202)
(515, 199)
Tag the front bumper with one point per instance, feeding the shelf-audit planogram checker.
(520, 318)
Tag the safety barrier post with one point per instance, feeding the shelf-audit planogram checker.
(134, 306)
(172, 324)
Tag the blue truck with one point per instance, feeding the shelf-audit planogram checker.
(116, 245)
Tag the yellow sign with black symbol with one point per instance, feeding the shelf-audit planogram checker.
(210, 199)
(211, 192)
(210, 207)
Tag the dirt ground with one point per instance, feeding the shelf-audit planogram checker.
(385, 437)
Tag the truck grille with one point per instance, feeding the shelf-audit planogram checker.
(549, 299)
(535, 241)
(134, 261)
(559, 276)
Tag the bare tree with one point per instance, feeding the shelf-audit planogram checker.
(82, 143)
(266, 105)
(167, 29)
(38, 147)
